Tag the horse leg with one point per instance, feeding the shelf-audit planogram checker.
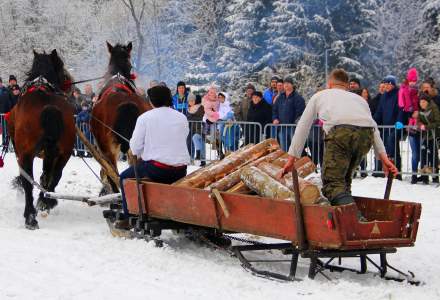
(49, 166)
(30, 213)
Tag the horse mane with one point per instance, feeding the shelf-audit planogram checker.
(51, 67)
(119, 60)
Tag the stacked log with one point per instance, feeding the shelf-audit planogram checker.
(229, 164)
(264, 185)
(228, 182)
(309, 192)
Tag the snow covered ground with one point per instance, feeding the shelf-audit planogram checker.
(73, 256)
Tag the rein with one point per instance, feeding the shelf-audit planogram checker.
(88, 80)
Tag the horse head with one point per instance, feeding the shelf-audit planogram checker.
(51, 67)
(120, 56)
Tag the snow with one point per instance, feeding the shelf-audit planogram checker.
(73, 256)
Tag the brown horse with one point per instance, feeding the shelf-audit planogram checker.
(42, 124)
(115, 113)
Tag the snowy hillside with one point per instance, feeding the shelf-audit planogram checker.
(228, 41)
(73, 256)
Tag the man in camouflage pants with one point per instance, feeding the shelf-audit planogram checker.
(350, 131)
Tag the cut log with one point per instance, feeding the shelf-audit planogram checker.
(282, 160)
(309, 192)
(240, 188)
(233, 179)
(229, 164)
(305, 166)
(201, 170)
(264, 185)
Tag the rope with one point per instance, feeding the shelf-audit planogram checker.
(87, 80)
(90, 168)
(111, 129)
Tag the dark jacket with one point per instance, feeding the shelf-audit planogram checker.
(260, 113)
(4, 100)
(431, 119)
(196, 126)
(436, 100)
(388, 111)
(13, 99)
(288, 109)
(373, 103)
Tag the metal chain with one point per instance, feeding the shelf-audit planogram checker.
(242, 240)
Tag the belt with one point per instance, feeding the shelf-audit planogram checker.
(164, 166)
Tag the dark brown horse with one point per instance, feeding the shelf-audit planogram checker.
(42, 125)
(115, 113)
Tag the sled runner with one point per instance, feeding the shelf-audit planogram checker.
(328, 232)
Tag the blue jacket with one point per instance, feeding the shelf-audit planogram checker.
(288, 109)
(388, 111)
(4, 100)
(268, 95)
(181, 106)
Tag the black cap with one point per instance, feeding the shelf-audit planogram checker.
(160, 96)
(258, 94)
(289, 79)
(12, 77)
(354, 79)
(181, 83)
(274, 78)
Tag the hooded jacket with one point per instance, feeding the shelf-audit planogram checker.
(431, 119)
(388, 111)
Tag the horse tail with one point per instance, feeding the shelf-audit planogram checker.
(51, 120)
(126, 116)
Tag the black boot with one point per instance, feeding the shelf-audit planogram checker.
(342, 199)
(435, 179)
(414, 179)
(425, 179)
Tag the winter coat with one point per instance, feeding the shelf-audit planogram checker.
(224, 108)
(288, 109)
(436, 100)
(268, 95)
(83, 116)
(431, 119)
(259, 113)
(181, 104)
(408, 98)
(231, 136)
(211, 107)
(388, 111)
(243, 109)
(4, 100)
(373, 103)
(13, 99)
(195, 114)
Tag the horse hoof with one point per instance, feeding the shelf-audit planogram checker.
(31, 222)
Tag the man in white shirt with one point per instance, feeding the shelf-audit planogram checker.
(159, 139)
(350, 132)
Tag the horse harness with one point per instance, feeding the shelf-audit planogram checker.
(122, 84)
(41, 84)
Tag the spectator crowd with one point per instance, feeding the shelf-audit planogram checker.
(405, 111)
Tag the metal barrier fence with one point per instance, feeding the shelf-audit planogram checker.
(414, 152)
(209, 142)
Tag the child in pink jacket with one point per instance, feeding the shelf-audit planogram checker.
(211, 105)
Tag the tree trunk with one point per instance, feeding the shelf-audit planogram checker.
(309, 192)
(232, 179)
(264, 185)
(229, 164)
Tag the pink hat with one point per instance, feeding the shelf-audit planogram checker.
(412, 75)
